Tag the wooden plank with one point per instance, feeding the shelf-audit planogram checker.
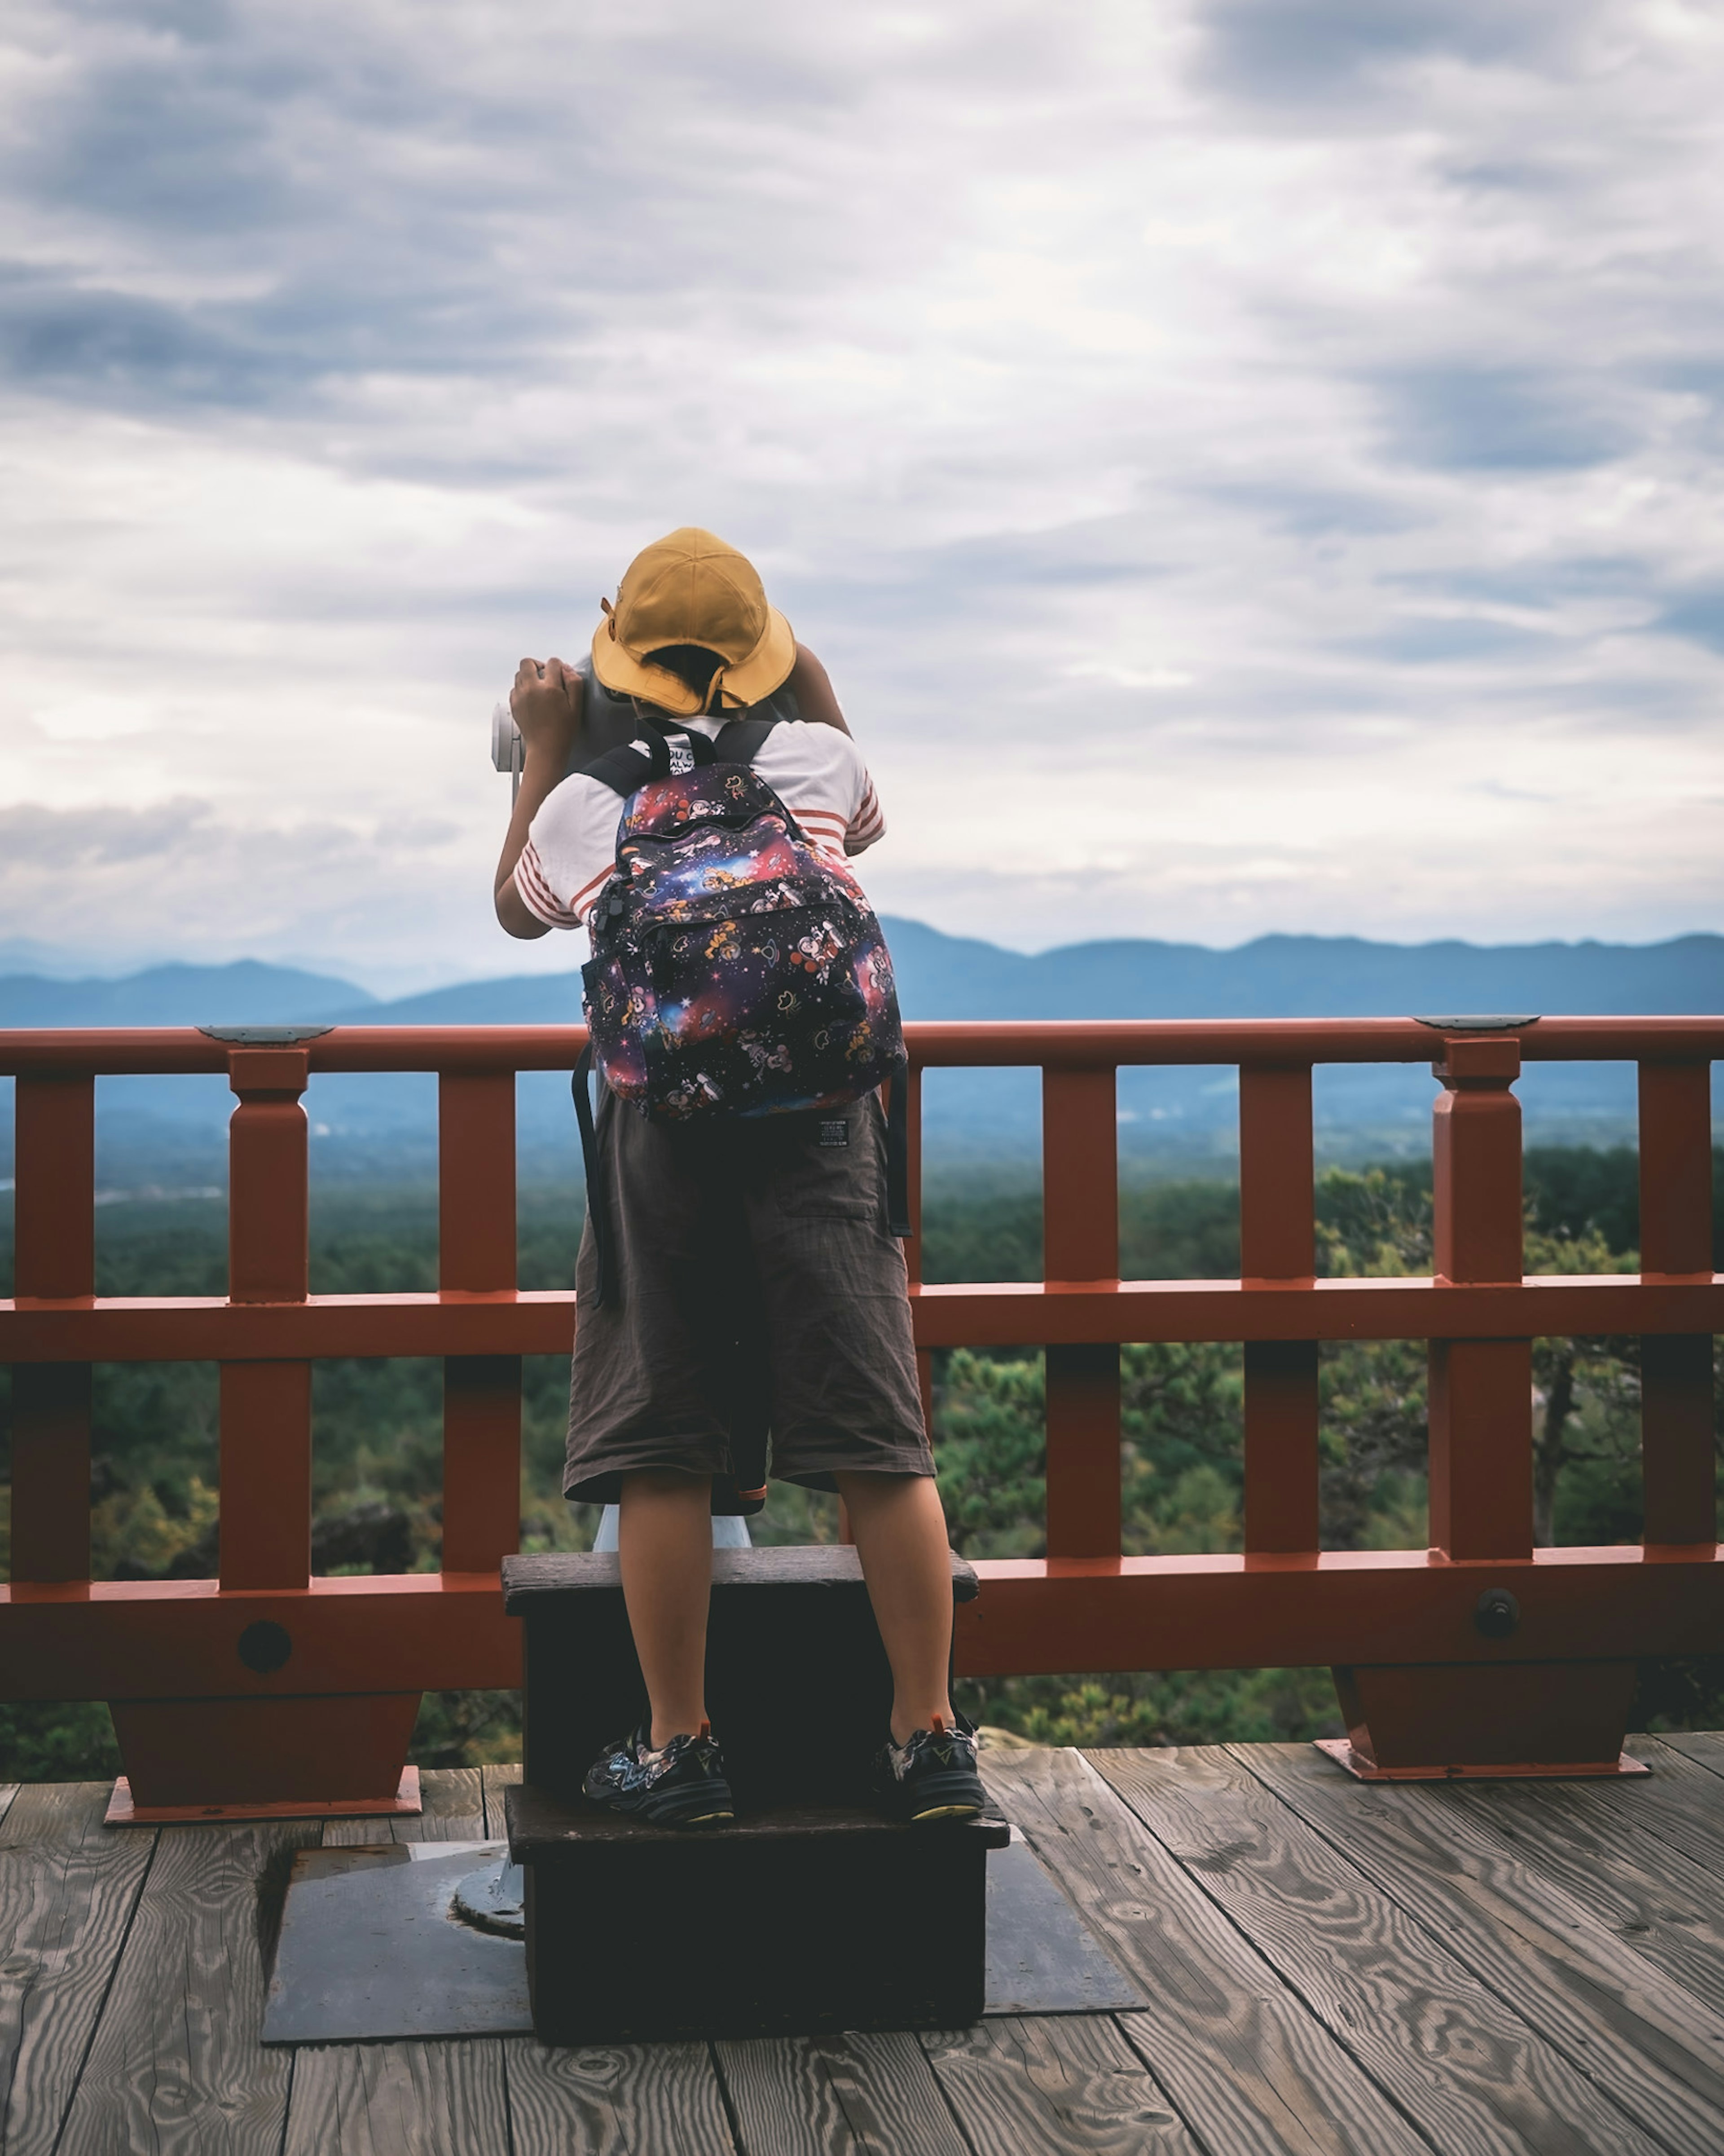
(1705, 1747)
(1657, 2049)
(414, 2098)
(1461, 2064)
(398, 2099)
(495, 1780)
(857, 2095)
(1680, 1803)
(615, 2100)
(1587, 1837)
(454, 1811)
(176, 2048)
(1247, 2068)
(1070, 2081)
(68, 1888)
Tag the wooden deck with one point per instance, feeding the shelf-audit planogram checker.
(1507, 1967)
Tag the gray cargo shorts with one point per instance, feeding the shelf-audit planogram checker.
(752, 1259)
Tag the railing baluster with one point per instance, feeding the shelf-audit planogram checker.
(54, 1209)
(476, 1255)
(265, 1534)
(1277, 1243)
(1480, 1390)
(1080, 1241)
(913, 1081)
(54, 1230)
(1677, 1456)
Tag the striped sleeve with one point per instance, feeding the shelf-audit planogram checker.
(867, 824)
(570, 852)
(824, 827)
(539, 898)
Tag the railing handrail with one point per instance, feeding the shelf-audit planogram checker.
(1054, 1043)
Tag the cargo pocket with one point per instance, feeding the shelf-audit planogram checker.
(835, 1167)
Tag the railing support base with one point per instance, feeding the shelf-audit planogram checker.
(287, 1757)
(407, 1803)
(1341, 1750)
(1497, 1721)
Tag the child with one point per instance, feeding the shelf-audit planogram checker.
(786, 1213)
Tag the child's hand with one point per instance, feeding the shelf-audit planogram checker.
(546, 704)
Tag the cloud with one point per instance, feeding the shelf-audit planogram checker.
(1208, 442)
(1466, 418)
(1699, 615)
(117, 348)
(1329, 52)
(124, 887)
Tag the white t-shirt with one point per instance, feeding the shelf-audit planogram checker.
(817, 772)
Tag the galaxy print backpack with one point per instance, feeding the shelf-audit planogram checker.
(735, 970)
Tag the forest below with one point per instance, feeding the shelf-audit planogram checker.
(377, 1438)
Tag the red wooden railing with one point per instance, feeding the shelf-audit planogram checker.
(268, 1677)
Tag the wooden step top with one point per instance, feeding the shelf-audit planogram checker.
(540, 1822)
(535, 1583)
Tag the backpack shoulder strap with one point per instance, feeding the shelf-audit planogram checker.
(740, 741)
(626, 769)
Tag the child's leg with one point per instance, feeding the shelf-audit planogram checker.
(664, 1546)
(901, 1538)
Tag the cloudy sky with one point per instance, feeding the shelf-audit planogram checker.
(1249, 465)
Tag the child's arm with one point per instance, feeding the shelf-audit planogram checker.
(546, 703)
(811, 686)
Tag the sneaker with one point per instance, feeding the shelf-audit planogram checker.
(682, 1785)
(933, 1777)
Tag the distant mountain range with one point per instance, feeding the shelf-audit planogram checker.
(248, 994)
(386, 1125)
(954, 976)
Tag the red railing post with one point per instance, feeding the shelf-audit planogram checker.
(270, 1747)
(1480, 1390)
(1677, 1455)
(1505, 1713)
(1080, 1241)
(1277, 1243)
(476, 1255)
(265, 1532)
(54, 1237)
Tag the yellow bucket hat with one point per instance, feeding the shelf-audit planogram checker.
(691, 589)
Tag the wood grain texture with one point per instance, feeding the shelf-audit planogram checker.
(1069, 2082)
(454, 1798)
(1587, 1837)
(1705, 1747)
(1538, 1891)
(1657, 2049)
(382, 2098)
(494, 1781)
(613, 2100)
(8, 1790)
(69, 1886)
(454, 1811)
(177, 2065)
(1456, 2058)
(1248, 2067)
(836, 2096)
(444, 2099)
(1680, 1803)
